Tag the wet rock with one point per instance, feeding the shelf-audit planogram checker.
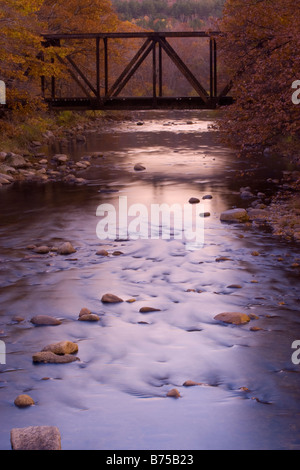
(84, 311)
(102, 253)
(205, 214)
(149, 309)
(61, 348)
(42, 250)
(207, 196)
(118, 253)
(140, 123)
(255, 253)
(255, 328)
(48, 357)
(174, 393)
(22, 401)
(17, 319)
(246, 195)
(66, 249)
(191, 383)
(234, 286)
(234, 215)
(35, 438)
(89, 317)
(194, 200)
(139, 167)
(45, 320)
(4, 180)
(234, 318)
(111, 299)
(223, 258)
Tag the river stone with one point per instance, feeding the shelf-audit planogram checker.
(14, 160)
(23, 400)
(194, 200)
(139, 167)
(234, 215)
(66, 249)
(48, 357)
(102, 253)
(61, 348)
(207, 196)
(84, 311)
(42, 250)
(45, 320)
(111, 299)
(35, 438)
(174, 393)
(190, 383)
(149, 309)
(234, 318)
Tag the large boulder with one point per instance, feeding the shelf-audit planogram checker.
(234, 215)
(35, 438)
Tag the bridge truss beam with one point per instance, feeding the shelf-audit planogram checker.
(108, 96)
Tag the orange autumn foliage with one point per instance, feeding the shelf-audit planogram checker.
(262, 52)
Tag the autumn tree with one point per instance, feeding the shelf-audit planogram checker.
(19, 48)
(261, 48)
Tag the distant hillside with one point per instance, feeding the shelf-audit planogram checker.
(167, 14)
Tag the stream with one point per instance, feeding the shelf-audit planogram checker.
(114, 397)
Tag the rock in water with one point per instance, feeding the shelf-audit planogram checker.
(173, 393)
(139, 167)
(89, 317)
(35, 438)
(48, 357)
(194, 200)
(61, 348)
(110, 299)
(42, 250)
(149, 309)
(234, 318)
(234, 215)
(45, 320)
(23, 400)
(66, 249)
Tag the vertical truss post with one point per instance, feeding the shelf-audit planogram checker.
(213, 69)
(154, 71)
(160, 70)
(106, 64)
(98, 67)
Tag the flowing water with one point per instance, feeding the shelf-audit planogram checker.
(115, 396)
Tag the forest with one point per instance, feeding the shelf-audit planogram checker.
(259, 51)
(162, 15)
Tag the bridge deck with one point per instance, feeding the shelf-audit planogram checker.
(135, 103)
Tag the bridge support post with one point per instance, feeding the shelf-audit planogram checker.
(213, 70)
